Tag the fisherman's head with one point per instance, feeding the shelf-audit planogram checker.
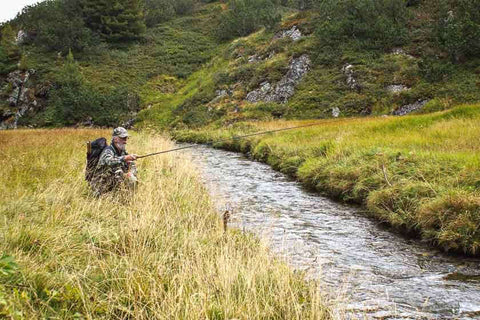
(119, 138)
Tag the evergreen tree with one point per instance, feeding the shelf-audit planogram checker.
(115, 20)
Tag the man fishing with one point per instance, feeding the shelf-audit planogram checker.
(115, 168)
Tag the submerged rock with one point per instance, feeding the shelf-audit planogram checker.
(285, 88)
(408, 108)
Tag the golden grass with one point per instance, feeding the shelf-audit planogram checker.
(159, 254)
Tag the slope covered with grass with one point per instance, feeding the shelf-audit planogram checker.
(158, 254)
(418, 173)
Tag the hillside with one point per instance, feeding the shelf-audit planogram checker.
(192, 70)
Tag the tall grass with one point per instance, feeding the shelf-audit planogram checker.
(418, 173)
(160, 253)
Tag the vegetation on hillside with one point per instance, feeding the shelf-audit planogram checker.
(388, 43)
(429, 47)
(160, 253)
(419, 174)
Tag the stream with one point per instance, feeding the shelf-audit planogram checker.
(369, 271)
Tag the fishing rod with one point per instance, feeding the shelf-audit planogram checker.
(228, 139)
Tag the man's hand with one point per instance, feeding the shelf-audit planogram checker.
(130, 158)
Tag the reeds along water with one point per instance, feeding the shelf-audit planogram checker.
(161, 254)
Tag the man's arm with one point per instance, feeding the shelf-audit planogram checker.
(108, 158)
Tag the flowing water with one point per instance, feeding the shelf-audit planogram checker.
(372, 272)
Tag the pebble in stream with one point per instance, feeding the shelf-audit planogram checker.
(375, 273)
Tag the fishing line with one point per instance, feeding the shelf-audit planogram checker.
(228, 139)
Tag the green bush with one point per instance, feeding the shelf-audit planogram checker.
(459, 28)
(246, 16)
(371, 23)
(73, 100)
(158, 11)
(56, 25)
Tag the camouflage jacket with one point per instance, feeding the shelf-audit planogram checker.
(111, 160)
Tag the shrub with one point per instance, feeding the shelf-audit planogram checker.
(372, 23)
(73, 100)
(158, 11)
(458, 29)
(56, 25)
(246, 16)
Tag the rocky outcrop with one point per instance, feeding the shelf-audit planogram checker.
(293, 33)
(261, 93)
(20, 96)
(397, 88)
(21, 38)
(285, 88)
(351, 80)
(406, 109)
(335, 112)
(256, 57)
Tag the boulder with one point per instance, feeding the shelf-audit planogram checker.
(351, 80)
(335, 112)
(293, 33)
(396, 88)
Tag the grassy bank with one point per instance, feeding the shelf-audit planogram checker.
(159, 254)
(419, 174)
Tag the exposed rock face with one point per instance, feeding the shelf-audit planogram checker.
(259, 94)
(22, 36)
(349, 72)
(293, 33)
(406, 109)
(335, 112)
(285, 88)
(21, 96)
(396, 88)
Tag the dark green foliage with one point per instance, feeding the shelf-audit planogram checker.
(74, 100)
(158, 11)
(115, 20)
(459, 28)
(435, 70)
(56, 25)
(9, 51)
(246, 16)
(183, 7)
(70, 99)
(370, 23)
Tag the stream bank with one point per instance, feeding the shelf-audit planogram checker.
(374, 273)
(419, 174)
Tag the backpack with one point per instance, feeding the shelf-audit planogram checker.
(94, 150)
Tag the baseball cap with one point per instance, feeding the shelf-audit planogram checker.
(120, 132)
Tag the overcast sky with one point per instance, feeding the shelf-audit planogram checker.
(10, 8)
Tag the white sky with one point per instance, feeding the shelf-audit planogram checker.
(10, 8)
